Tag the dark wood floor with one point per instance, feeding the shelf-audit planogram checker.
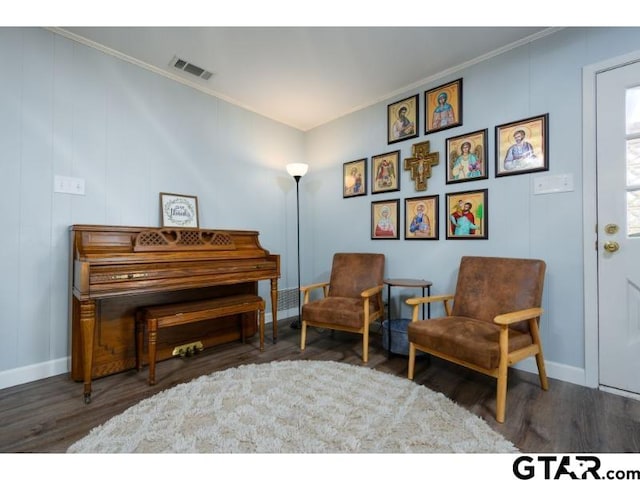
(49, 415)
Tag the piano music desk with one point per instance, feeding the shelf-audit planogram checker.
(171, 315)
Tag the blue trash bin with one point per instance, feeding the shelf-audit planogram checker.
(399, 339)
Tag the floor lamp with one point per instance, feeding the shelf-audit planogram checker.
(297, 171)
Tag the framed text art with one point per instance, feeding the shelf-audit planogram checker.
(384, 219)
(354, 178)
(467, 214)
(467, 157)
(522, 146)
(179, 210)
(443, 107)
(402, 120)
(384, 172)
(421, 218)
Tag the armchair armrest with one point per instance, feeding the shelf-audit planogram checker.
(417, 301)
(506, 319)
(313, 286)
(518, 316)
(306, 289)
(370, 292)
(435, 298)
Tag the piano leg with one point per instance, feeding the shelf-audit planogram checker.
(87, 329)
(274, 308)
(139, 339)
(152, 331)
(261, 326)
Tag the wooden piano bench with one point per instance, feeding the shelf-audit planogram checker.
(170, 315)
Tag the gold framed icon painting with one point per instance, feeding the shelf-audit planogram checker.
(467, 214)
(522, 146)
(443, 107)
(402, 120)
(467, 157)
(421, 220)
(385, 176)
(354, 178)
(384, 219)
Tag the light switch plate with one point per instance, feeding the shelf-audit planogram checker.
(552, 183)
(72, 185)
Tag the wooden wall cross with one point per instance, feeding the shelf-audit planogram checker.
(420, 164)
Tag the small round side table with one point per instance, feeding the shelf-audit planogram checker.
(406, 283)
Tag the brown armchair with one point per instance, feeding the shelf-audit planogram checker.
(493, 323)
(352, 298)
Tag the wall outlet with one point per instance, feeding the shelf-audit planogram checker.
(553, 183)
(72, 185)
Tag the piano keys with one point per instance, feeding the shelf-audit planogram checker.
(114, 270)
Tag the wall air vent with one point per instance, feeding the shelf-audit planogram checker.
(188, 67)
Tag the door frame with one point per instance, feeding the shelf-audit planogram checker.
(590, 212)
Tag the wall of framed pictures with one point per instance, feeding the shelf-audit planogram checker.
(520, 147)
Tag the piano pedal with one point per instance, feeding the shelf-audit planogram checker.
(188, 349)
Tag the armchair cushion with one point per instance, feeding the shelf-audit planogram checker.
(467, 339)
(346, 312)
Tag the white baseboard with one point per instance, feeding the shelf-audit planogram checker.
(559, 371)
(31, 373)
(290, 313)
(622, 393)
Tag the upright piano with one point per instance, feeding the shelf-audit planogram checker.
(115, 270)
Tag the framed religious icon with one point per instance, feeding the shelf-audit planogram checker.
(402, 120)
(421, 218)
(178, 210)
(385, 175)
(467, 215)
(384, 219)
(467, 157)
(354, 178)
(522, 146)
(443, 107)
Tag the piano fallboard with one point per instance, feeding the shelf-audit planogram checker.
(109, 280)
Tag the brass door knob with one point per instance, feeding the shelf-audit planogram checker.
(611, 228)
(611, 246)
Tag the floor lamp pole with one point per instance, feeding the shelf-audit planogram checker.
(298, 322)
(297, 171)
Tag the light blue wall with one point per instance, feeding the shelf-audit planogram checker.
(542, 77)
(67, 109)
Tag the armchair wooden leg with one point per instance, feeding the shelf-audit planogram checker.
(412, 360)
(303, 335)
(501, 397)
(365, 344)
(501, 394)
(542, 372)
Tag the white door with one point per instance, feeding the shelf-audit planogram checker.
(618, 173)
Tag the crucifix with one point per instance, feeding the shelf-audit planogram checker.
(420, 164)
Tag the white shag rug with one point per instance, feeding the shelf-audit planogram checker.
(295, 407)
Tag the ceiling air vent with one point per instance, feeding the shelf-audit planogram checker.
(188, 67)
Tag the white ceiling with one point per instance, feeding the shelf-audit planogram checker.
(306, 76)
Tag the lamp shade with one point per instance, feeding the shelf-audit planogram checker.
(297, 169)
